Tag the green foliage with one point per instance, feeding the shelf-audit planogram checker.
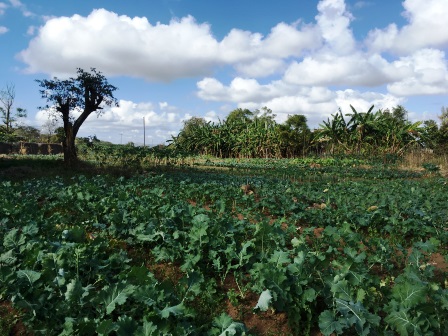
(87, 93)
(256, 134)
(373, 133)
(7, 135)
(27, 133)
(244, 133)
(8, 116)
(431, 167)
(153, 254)
(223, 325)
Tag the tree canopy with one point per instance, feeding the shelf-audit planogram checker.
(8, 115)
(86, 93)
(246, 133)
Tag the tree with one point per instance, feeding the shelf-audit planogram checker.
(239, 115)
(335, 131)
(49, 128)
(27, 133)
(9, 117)
(380, 132)
(59, 135)
(430, 134)
(443, 130)
(294, 135)
(400, 113)
(444, 117)
(86, 94)
(191, 137)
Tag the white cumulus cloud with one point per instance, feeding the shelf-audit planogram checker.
(121, 45)
(426, 73)
(426, 28)
(241, 90)
(315, 102)
(334, 23)
(329, 69)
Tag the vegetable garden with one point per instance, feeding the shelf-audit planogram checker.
(229, 247)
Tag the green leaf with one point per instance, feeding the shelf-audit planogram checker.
(126, 326)
(359, 316)
(148, 329)
(30, 230)
(174, 310)
(74, 290)
(222, 321)
(427, 246)
(354, 278)
(191, 259)
(7, 258)
(300, 258)
(29, 275)
(352, 253)
(309, 295)
(198, 232)
(279, 258)
(201, 220)
(13, 239)
(297, 242)
(69, 326)
(409, 294)
(360, 295)
(147, 294)
(403, 323)
(151, 237)
(139, 275)
(234, 328)
(264, 301)
(341, 290)
(7, 275)
(106, 327)
(328, 324)
(115, 295)
(192, 283)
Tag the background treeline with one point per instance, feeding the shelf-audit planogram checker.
(252, 134)
(13, 129)
(31, 134)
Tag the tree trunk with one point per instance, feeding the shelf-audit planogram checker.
(70, 157)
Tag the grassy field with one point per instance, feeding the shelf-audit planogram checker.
(147, 245)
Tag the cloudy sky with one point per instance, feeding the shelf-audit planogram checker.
(174, 59)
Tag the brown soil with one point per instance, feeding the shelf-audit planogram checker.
(439, 262)
(11, 317)
(194, 203)
(260, 323)
(240, 216)
(164, 271)
(318, 232)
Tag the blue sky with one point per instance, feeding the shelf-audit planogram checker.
(174, 59)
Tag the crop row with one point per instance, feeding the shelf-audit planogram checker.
(83, 256)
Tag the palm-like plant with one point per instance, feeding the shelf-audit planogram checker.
(334, 131)
(256, 134)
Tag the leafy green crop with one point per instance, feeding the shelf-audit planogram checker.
(153, 254)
